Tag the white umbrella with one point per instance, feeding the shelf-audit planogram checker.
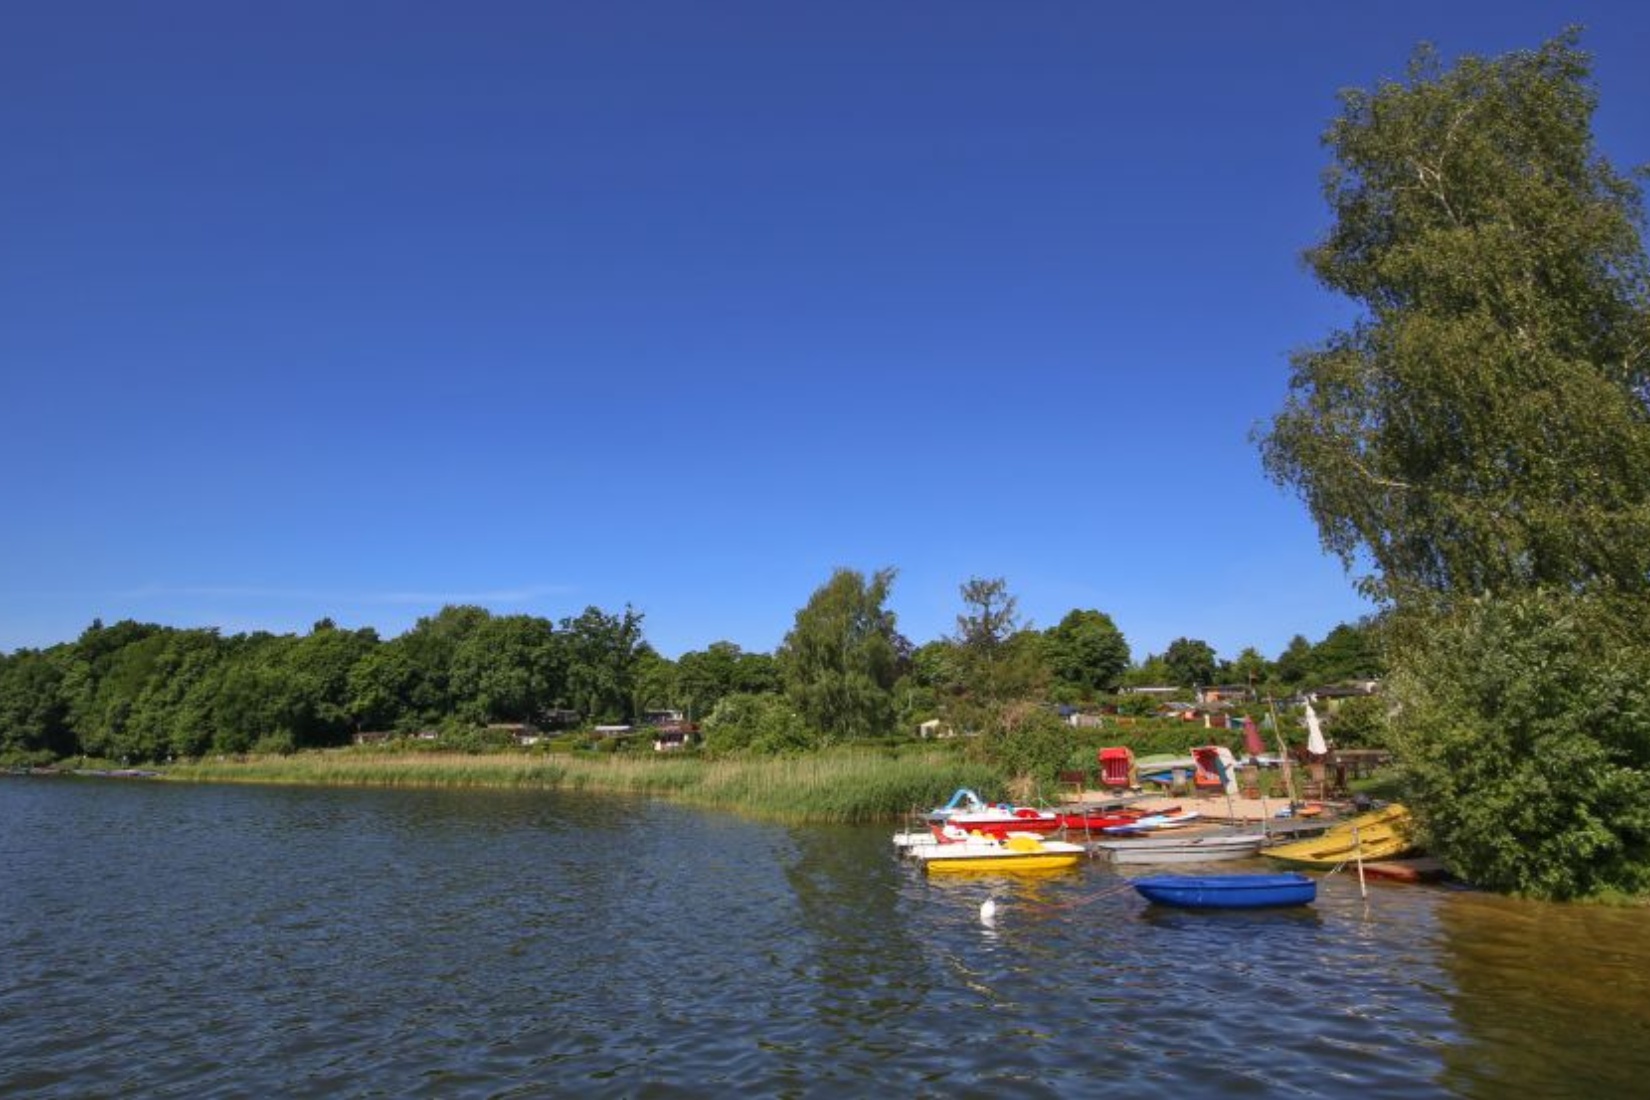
(1315, 743)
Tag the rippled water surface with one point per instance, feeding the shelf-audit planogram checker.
(167, 940)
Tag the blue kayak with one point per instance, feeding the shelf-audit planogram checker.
(1262, 891)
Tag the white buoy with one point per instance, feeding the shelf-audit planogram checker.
(988, 911)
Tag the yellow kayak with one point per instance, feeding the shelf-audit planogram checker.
(1380, 834)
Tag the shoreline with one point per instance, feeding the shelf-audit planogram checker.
(846, 786)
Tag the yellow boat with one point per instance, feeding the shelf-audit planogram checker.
(1015, 852)
(1380, 834)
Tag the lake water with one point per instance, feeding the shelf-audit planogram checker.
(168, 940)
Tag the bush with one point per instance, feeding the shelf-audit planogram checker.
(764, 724)
(24, 758)
(1523, 730)
(280, 743)
(1032, 744)
(1359, 723)
(1135, 705)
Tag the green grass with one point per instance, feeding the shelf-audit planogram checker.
(844, 786)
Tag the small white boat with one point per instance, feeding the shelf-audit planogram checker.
(1152, 823)
(1161, 768)
(1191, 849)
(908, 840)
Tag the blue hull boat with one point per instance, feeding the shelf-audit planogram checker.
(1227, 891)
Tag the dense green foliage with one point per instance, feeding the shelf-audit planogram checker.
(1347, 653)
(1484, 428)
(705, 677)
(765, 724)
(1086, 651)
(1030, 743)
(1481, 439)
(1191, 661)
(1524, 730)
(996, 662)
(34, 726)
(840, 660)
(465, 679)
(141, 692)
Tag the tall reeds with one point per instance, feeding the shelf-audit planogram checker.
(844, 786)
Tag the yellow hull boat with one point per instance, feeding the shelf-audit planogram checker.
(1381, 834)
(1016, 852)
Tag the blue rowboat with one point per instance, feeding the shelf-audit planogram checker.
(1227, 891)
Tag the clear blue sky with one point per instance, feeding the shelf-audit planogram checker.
(358, 309)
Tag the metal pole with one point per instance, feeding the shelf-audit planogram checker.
(1283, 749)
(1358, 854)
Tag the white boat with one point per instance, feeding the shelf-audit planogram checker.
(994, 819)
(1191, 849)
(1161, 768)
(1152, 823)
(907, 840)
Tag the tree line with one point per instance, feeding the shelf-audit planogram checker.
(143, 692)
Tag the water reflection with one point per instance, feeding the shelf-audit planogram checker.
(1232, 924)
(1551, 1000)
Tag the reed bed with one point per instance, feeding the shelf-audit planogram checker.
(844, 786)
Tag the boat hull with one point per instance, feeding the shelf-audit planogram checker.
(1152, 823)
(1419, 869)
(1381, 835)
(1094, 821)
(1016, 853)
(1227, 891)
(1200, 849)
(1002, 826)
(1041, 861)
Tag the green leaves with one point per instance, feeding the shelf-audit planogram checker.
(757, 724)
(1521, 724)
(601, 655)
(1087, 651)
(1191, 661)
(144, 692)
(1481, 440)
(840, 659)
(1483, 428)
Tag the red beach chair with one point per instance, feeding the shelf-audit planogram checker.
(1117, 768)
(1206, 776)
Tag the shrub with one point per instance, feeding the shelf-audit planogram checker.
(756, 724)
(280, 743)
(1523, 729)
(1031, 744)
